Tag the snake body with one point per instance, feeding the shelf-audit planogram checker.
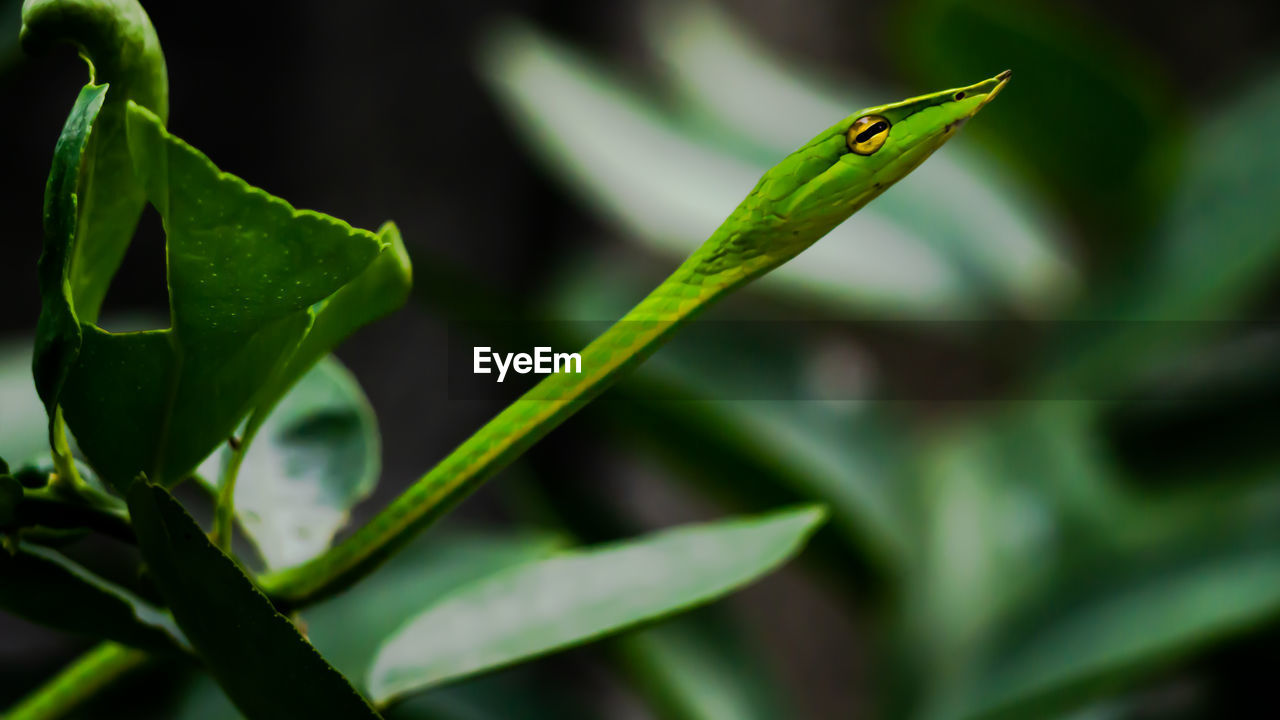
(794, 204)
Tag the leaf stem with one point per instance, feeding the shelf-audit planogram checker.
(224, 511)
(77, 682)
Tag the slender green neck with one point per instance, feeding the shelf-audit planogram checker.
(749, 243)
(557, 397)
(794, 204)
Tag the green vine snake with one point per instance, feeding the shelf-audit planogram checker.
(794, 204)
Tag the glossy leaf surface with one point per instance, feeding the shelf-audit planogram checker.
(551, 604)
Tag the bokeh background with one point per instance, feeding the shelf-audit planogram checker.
(1034, 382)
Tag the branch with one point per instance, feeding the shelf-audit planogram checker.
(77, 682)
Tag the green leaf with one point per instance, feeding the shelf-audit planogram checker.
(58, 336)
(671, 188)
(262, 663)
(1228, 194)
(120, 43)
(1042, 584)
(552, 604)
(245, 269)
(24, 433)
(316, 456)
(1140, 613)
(48, 589)
(960, 204)
(382, 288)
(1215, 251)
(1105, 124)
(987, 542)
(348, 627)
(1003, 507)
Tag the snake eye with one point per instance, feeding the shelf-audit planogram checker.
(867, 134)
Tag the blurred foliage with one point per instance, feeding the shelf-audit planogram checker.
(22, 440)
(10, 21)
(842, 452)
(1091, 116)
(1025, 574)
(916, 251)
(701, 668)
(1211, 256)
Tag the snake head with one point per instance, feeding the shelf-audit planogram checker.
(820, 185)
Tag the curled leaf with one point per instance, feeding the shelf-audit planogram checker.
(245, 269)
(120, 43)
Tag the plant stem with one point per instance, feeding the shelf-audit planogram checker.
(77, 682)
(224, 510)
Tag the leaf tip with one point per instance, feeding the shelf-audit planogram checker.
(808, 517)
(393, 242)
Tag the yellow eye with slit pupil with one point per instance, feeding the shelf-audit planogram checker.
(867, 134)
